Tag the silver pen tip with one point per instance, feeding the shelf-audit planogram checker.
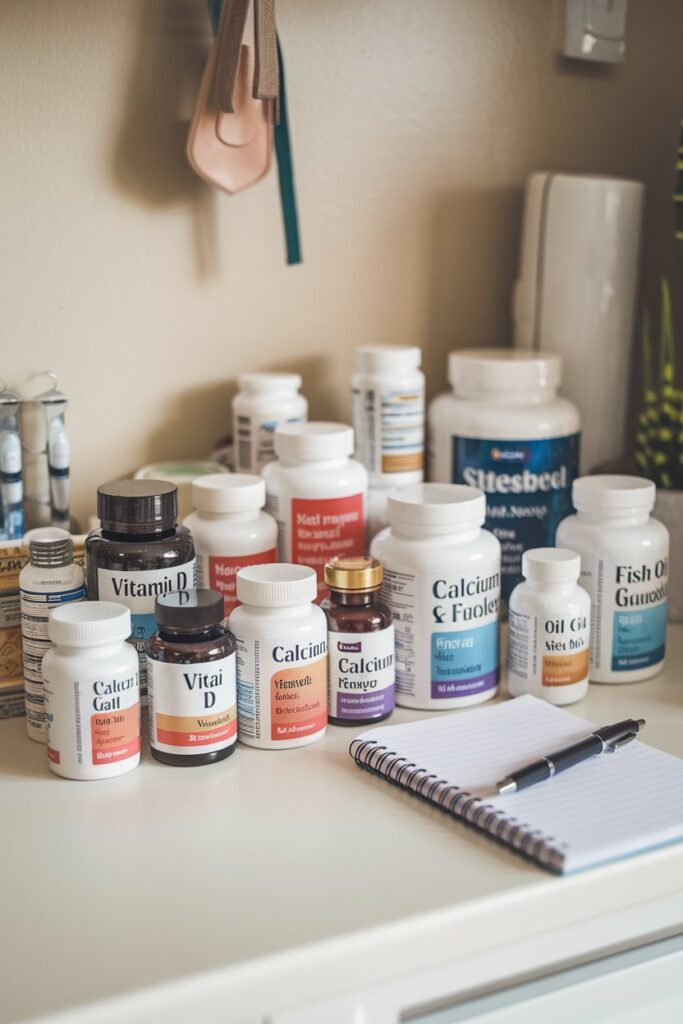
(506, 786)
(640, 722)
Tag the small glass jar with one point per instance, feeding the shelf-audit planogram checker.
(192, 688)
(360, 642)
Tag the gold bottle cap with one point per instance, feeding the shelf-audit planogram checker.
(357, 573)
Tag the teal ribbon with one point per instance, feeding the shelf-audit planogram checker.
(283, 154)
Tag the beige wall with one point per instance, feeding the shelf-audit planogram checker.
(414, 126)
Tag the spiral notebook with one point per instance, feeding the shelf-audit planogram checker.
(611, 806)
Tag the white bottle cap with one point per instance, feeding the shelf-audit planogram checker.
(257, 383)
(502, 370)
(276, 585)
(551, 565)
(225, 493)
(89, 624)
(437, 508)
(609, 493)
(303, 442)
(378, 358)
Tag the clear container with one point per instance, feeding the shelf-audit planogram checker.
(624, 567)
(504, 429)
(442, 583)
(92, 696)
(281, 642)
(49, 580)
(264, 402)
(230, 530)
(388, 392)
(549, 628)
(318, 495)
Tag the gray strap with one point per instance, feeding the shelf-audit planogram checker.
(229, 43)
(267, 74)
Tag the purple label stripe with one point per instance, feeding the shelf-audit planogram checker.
(352, 705)
(449, 688)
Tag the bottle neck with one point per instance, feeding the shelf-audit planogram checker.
(315, 464)
(354, 598)
(193, 635)
(133, 535)
(531, 396)
(562, 587)
(615, 519)
(411, 531)
(228, 517)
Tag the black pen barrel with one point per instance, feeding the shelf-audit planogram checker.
(575, 754)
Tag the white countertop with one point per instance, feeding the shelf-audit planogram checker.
(291, 877)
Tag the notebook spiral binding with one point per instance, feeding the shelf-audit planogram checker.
(457, 802)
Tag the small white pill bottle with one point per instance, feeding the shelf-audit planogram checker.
(49, 580)
(318, 496)
(624, 567)
(92, 692)
(549, 628)
(230, 530)
(281, 640)
(504, 429)
(388, 392)
(263, 402)
(442, 583)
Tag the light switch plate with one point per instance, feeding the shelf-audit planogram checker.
(596, 30)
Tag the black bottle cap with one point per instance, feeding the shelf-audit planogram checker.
(137, 506)
(188, 609)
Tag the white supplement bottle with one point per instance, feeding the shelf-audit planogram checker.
(92, 692)
(504, 429)
(388, 391)
(442, 583)
(318, 495)
(264, 401)
(281, 640)
(549, 628)
(48, 581)
(230, 530)
(624, 567)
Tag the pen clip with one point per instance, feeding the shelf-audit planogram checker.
(611, 748)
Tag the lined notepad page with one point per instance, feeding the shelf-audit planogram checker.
(611, 806)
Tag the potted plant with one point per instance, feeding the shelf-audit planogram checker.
(659, 441)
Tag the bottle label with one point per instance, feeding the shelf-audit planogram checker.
(35, 616)
(321, 528)
(389, 428)
(138, 590)
(552, 651)
(281, 688)
(256, 441)
(528, 491)
(192, 707)
(94, 721)
(628, 617)
(446, 631)
(218, 573)
(362, 674)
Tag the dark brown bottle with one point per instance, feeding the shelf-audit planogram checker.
(192, 681)
(361, 655)
(138, 553)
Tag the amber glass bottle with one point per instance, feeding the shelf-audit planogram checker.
(192, 693)
(360, 643)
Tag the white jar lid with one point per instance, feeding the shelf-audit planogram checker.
(371, 358)
(234, 492)
(314, 440)
(260, 382)
(89, 624)
(551, 565)
(437, 508)
(503, 369)
(276, 585)
(609, 492)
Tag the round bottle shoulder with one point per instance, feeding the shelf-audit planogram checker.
(255, 622)
(65, 577)
(610, 538)
(271, 405)
(491, 418)
(539, 601)
(342, 618)
(96, 661)
(435, 552)
(178, 653)
(314, 480)
(255, 533)
(132, 553)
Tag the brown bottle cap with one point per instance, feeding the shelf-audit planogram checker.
(137, 506)
(354, 573)
(188, 609)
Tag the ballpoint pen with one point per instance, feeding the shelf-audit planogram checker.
(606, 740)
